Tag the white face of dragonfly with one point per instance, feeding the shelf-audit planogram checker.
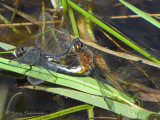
(19, 52)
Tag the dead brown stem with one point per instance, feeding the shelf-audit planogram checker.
(132, 16)
(28, 23)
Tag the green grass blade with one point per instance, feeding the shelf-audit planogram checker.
(6, 46)
(91, 113)
(112, 31)
(60, 113)
(73, 21)
(141, 13)
(90, 90)
(64, 4)
(84, 83)
(120, 108)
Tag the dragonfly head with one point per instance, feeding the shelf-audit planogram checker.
(19, 52)
(78, 46)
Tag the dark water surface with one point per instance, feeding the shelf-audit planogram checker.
(29, 102)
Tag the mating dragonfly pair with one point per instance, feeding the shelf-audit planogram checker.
(56, 51)
(53, 50)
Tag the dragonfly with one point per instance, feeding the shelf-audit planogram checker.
(58, 45)
(51, 46)
(79, 61)
(45, 55)
(49, 42)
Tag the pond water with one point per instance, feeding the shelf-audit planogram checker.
(29, 102)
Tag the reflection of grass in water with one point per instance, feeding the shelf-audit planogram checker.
(3, 96)
(12, 101)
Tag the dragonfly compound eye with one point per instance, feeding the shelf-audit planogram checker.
(78, 46)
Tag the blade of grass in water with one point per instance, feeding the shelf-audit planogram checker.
(60, 113)
(141, 13)
(90, 89)
(120, 108)
(80, 82)
(74, 26)
(64, 4)
(6, 46)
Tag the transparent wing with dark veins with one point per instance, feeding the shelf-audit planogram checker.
(30, 57)
(55, 41)
(34, 81)
(42, 63)
(50, 41)
(64, 39)
(48, 33)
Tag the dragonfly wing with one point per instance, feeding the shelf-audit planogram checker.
(39, 78)
(51, 41)
(49, 66)
(64, 39)
(46, 31)
(105, 95)
(59, 44)
(34, 81)
(29, 58)
(103, 89)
